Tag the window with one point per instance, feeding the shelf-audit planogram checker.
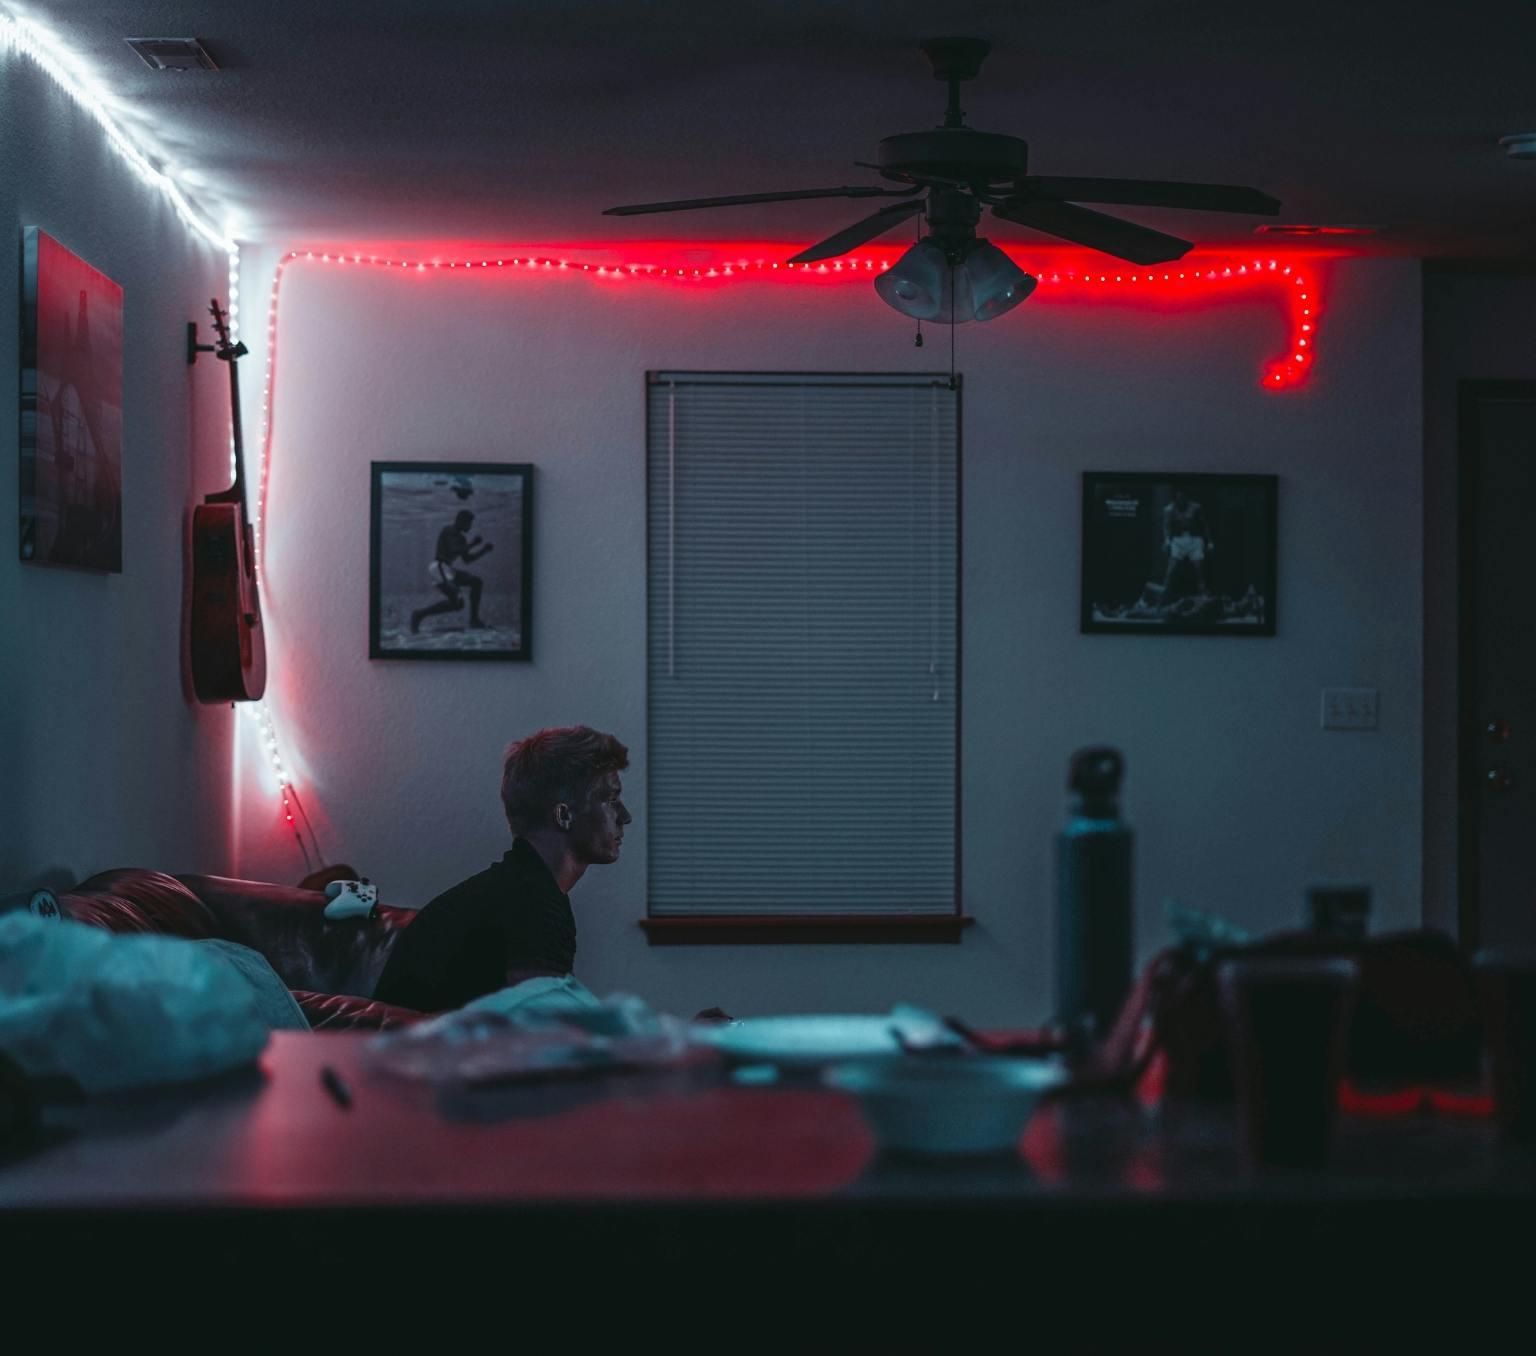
(803, 643)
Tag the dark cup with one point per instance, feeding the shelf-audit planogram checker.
(1506, 986)
(1287, 1023)
(1340, 911)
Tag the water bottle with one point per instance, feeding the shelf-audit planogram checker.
(1093, 896)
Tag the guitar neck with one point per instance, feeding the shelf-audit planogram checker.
(235, 494)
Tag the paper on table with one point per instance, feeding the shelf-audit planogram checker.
(541, 1026)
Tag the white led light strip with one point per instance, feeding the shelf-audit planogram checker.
(71, 75)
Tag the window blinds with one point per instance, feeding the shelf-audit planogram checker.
(803, 688)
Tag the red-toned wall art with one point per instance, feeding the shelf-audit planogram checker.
(71, 409)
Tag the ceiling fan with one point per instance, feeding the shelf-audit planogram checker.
(951, 172)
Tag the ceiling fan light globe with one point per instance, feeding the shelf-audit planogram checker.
(910, 298)
(1003, 302)
(957, 305)
(917, 284)
(995, 282)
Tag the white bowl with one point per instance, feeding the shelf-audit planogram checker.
(947, 1104)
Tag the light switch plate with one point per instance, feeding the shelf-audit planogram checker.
(1349, 708)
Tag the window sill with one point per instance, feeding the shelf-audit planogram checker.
(727, 930)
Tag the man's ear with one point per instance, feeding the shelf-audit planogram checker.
(562, 816)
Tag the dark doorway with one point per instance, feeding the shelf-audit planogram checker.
(1498, 663)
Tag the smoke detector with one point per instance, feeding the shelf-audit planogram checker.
(1521, 145)
(173, 54)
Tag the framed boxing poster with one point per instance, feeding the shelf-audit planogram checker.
(1178, 554)
(451, 560)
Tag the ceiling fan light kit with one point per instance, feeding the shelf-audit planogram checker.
(928, 283)
(949, 173)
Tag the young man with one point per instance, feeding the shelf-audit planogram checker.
(561, 793)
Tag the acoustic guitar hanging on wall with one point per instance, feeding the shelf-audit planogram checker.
(226, 643)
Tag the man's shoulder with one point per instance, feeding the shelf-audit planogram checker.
(469, 895)
(509, 874)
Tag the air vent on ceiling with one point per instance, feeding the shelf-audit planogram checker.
(173, 54)
(1298, 229)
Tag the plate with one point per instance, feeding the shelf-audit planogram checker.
(822, 1038)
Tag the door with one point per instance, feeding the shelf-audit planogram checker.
(1498, 663)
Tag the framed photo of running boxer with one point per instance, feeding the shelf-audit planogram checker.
(1178, 554)
(451, 560)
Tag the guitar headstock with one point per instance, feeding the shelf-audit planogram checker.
(224, 349)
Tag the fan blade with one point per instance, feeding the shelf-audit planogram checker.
(1123, 239)
(851, 237)
(1153, 193)
(688, 204)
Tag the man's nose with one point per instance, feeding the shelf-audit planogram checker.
(624, 815)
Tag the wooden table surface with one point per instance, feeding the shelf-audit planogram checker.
(645, 1178)
(275, 1137)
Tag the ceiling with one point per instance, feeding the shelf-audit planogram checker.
(520, 120)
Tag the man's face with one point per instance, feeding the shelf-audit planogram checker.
(597, 831)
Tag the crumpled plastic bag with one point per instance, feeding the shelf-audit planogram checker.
(114, 1011)
(543, 1026)
(542, 996)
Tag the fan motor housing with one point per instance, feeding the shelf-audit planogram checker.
(956, 153)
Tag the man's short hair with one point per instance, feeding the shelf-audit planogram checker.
(553, 766)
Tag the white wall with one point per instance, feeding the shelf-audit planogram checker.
(1239, 800)
(105, 762)
(1477, 327)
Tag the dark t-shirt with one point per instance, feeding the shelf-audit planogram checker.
(510, 917)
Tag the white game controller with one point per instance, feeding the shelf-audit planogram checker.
(351, 899)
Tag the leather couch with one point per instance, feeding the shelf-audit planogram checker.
(331, 967)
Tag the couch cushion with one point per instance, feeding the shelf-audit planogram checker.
(343, 1012)
(289, 927)
(130, 899)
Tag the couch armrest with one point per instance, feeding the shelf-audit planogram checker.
(289, 928)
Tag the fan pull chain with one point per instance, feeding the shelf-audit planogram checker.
(918, 342)
(952, 326)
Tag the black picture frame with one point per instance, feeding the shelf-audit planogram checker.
(1220, 571)
(421, 607)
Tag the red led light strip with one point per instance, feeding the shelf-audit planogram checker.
(1300, 292)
